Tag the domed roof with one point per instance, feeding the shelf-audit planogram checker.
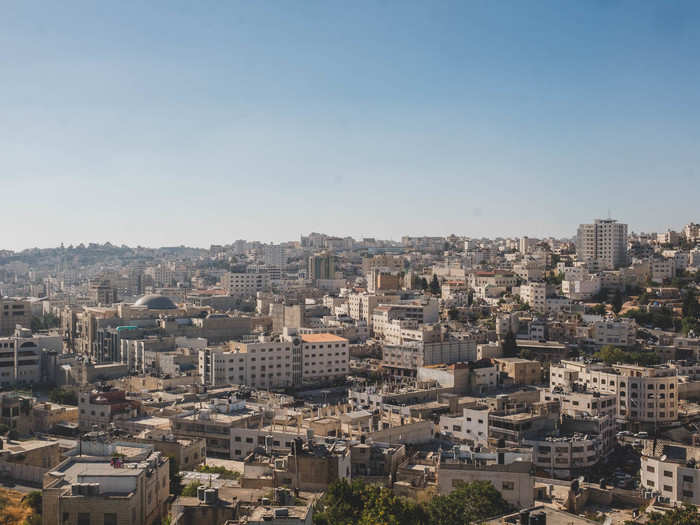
(156, 302)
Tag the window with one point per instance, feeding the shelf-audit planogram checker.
(83, 518)
(508, 485)
(668, 474)
(650, 469)
(687, 493)
(688, 479)
(668, 488)
(110, 518)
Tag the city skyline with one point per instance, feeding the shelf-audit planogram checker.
(234, 238)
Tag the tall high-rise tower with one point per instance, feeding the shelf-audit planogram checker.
(603, 243)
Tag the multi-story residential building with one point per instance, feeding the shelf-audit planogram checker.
(527, 244)
(603, 244)
(515, 480)
(244, 283)
(13, 312)
(471, 427)
(619, 332)
(321, 267)
(497, 278)
(405, 360)
(426, 312)
(534, 294)
(217, 423)
(529, 269)
(99, 408)
(673, 473)
(593, 411)
(21, 356)
(692, 232)
(520, 371)
(86, 490)
(382, 279)
(645, 395)
(662, 269)
(276, 363)
(564, 454)
(579, 285)
(274, 255)
(668, 237)
(361, 306)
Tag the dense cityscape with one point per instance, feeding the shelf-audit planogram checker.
(333, 380)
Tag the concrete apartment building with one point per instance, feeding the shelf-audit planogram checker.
(427, 312)
(618, 332)
(515, 481)
(672, 472)
(602, 244)
(21, 356)
(361, 306)
(471, 427)
(237, 283)
(520, 371)
(408, 358)
(93, 490)
(277, 363)
(535, 295)
(13, 312)
(99, 408)
(645, 395)
(321, 267)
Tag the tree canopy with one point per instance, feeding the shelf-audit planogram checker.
(686, 515)
(612, 354)
(351, 503)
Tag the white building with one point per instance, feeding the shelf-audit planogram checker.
(534, 294)
(675, 477)
(20, 356)
(645, 395)
(244, 283)
(267, 363)
(471, 427)
(603, 243)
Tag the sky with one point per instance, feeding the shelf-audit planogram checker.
(179, 122)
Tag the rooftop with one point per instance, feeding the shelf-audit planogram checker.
(322, 338)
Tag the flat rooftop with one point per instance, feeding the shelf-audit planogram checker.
(322, 338)
(291, 512)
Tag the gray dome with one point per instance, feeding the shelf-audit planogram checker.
(156, 302)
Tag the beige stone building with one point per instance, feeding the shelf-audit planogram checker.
(521, 371)
(89, 490)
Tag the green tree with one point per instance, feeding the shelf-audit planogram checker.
(422, 283)
(175, 478)
(190, 489)
(63, 396)
(435, 285)
(691, 307)
(599, 309)
(452, 314)
(686, 515)
(688, 324)
(510, 347)
(467, 503)
(611, 355)
(617, 302)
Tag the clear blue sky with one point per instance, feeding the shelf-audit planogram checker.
(204, 122)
